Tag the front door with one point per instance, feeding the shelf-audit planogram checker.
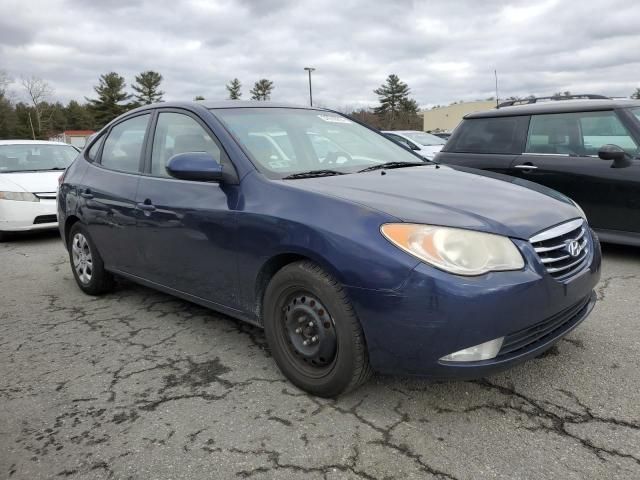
(187, 229)
(108, 192)
(562, 153)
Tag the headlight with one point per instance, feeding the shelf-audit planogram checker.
(19, 196)
(463, 252)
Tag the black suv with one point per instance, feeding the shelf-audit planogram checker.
(587, 149)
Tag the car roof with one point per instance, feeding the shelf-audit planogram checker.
(555, 106)
(32, 142)
(226, 104)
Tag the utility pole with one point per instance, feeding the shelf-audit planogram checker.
(495, 72)
(310, 69)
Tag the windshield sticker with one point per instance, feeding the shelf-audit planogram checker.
(334, 119)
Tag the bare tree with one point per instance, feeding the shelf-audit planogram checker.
(38, 91)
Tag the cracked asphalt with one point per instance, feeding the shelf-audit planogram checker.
(140, 385)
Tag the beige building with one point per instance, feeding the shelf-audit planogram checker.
(445, 119)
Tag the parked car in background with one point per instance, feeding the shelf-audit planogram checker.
(351, 253)
(29, 172)
(443, 135)
(587, 149)
(424, 144)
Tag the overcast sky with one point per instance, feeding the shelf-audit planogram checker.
(445, 50)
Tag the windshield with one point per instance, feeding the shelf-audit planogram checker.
(35, 157)
(425, 139)
(286, 141)
(636, 112)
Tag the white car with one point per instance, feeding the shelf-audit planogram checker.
(29, 172)
(424, 144)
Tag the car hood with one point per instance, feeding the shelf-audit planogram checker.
(30, 181)
(452, 196)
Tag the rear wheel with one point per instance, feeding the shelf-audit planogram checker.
(86, 263)
(313, 332)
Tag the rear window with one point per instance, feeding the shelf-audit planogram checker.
(496, 135)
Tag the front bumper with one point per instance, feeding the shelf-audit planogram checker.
(18, 216)
(435, 313)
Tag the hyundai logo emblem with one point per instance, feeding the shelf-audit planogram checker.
(574, 248)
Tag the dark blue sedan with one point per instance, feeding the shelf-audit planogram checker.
(352, 253)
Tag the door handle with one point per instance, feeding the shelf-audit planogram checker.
(147, 206)
(526, 166)
(86, 193)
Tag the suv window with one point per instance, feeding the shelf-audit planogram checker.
(489, 135)
(123, 147)
(178, 133)
(580, 133)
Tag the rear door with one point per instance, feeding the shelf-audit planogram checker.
(562, 153)
(486, 143)
(108, 192)
(187, 229)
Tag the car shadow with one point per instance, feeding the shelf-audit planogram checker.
(29, 237)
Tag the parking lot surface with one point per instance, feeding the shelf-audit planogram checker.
(140, 385)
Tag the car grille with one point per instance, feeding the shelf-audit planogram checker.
(540, 332)
(45, 219)
(564, 250)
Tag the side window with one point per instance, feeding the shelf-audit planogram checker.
(92, 154)
(123, 147)
(178, 133)
(577, 134)
(601, 128)
(501, 135)
(555, 134)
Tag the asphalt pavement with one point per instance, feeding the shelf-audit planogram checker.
(140, 385)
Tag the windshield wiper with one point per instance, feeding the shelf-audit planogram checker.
(385, 165)
(313, 173)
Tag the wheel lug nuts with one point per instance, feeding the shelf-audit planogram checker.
(314, 339)
(298, 330)
(311, 324)
(305, 343)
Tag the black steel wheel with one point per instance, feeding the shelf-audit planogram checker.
(313, 332)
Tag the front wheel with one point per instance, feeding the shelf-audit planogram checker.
(86, 263)
(313, 332)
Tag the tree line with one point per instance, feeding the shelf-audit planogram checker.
(36, 115)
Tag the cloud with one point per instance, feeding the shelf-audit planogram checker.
(446, 51)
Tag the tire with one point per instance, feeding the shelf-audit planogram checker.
(337, 361)
(87, 267)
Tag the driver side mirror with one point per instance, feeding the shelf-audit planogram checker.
(199, 166)
(621, 159)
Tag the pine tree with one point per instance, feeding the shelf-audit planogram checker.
(636, 94)
(396, 108)
(198, 98)
(262, 89)
(78, 116)
(147, 88)
(111, 96)
(233, 87)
